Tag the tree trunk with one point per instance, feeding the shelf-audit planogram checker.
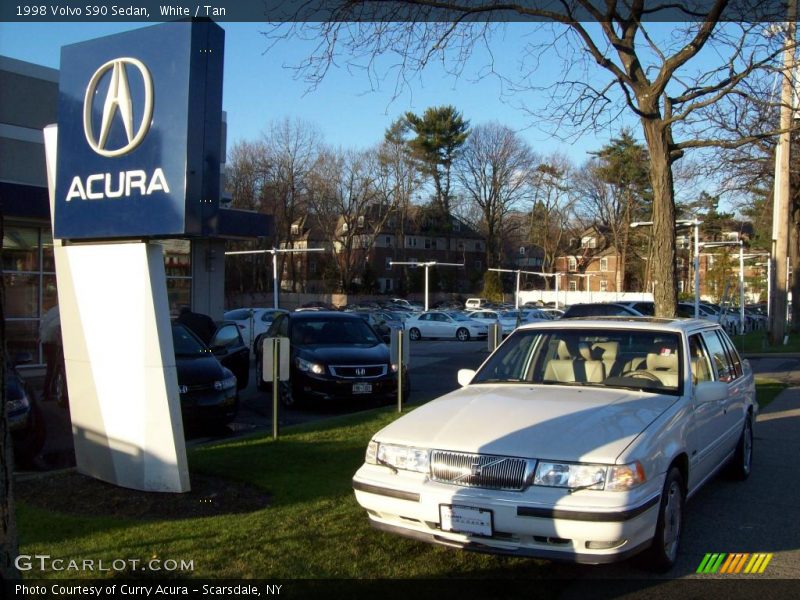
(794, 261)
(665, 288)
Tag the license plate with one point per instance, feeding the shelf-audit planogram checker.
(362, 388)
(465, 519)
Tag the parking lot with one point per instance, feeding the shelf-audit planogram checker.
(761, 515)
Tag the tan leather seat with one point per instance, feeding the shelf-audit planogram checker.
(607, 353)
(566, 369)
(665, 367)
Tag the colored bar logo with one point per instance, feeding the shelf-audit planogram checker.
(742, 562)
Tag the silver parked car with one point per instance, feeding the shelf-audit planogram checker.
(578, 440)
(440, 324)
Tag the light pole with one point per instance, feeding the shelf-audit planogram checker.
(695, 223)
(275, 252)
(427, 265)
(518, 272)
(739, 243)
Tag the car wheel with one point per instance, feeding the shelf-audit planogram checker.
(260, 383)
(742, 462)
(664, 550)
(414, 334)
(462, 335)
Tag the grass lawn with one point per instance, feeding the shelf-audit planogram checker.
(312, 526)
(758, 342)
(767, 390)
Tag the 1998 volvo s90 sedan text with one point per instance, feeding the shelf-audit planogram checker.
(577, 440)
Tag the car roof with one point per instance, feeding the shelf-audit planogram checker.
(313, 315)
(641, 323)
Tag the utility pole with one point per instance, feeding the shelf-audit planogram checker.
(780, 213)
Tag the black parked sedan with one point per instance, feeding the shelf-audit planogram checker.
(334, 356)
(209, 378)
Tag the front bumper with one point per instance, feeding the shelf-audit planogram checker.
(332, 389)
(209, 406)
(587, 527)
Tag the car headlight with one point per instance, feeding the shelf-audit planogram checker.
(625, 477)
(225, 384)
(308, 367)
(570, 475)
(575, 476)
(393, 456)
(394, 367)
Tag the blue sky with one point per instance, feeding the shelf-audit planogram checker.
(259, 88)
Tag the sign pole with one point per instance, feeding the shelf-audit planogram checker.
(276, 353)
(400, 366)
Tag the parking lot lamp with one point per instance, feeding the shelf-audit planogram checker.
(739, 243)
(695, 223)
(275, 252)
(519, 272)
(427, 265)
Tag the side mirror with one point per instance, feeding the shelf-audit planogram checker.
(465, 377)
(710, 391)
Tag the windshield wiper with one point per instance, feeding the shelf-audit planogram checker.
(583, 487)
(498, 380)
(383, 463)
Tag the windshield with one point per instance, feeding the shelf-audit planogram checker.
(186, 343)
(599, 357)
(338, 332)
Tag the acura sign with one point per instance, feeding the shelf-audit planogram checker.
(139, 134)
(118, 101)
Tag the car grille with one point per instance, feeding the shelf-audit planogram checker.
(358, 371)
(481, 470)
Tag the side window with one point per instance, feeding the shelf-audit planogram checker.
(227, 335)
(719, 358)
(732, 353)
(425, 317)
(698, 357)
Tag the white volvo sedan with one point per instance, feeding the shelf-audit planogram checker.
(577, 440)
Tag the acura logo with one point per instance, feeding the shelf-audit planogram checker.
(118, 104)
(361, 371)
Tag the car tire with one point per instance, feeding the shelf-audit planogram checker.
(462, 334)
(663, 552)
(414, 334)
(742, 461)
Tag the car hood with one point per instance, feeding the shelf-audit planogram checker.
(345, 355)
(534, 421)
(198, 370)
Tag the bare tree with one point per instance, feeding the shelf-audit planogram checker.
(291, 149)
(614, 64)
(552, 204)
(345, 198)
(492, 171)
(615, 191)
